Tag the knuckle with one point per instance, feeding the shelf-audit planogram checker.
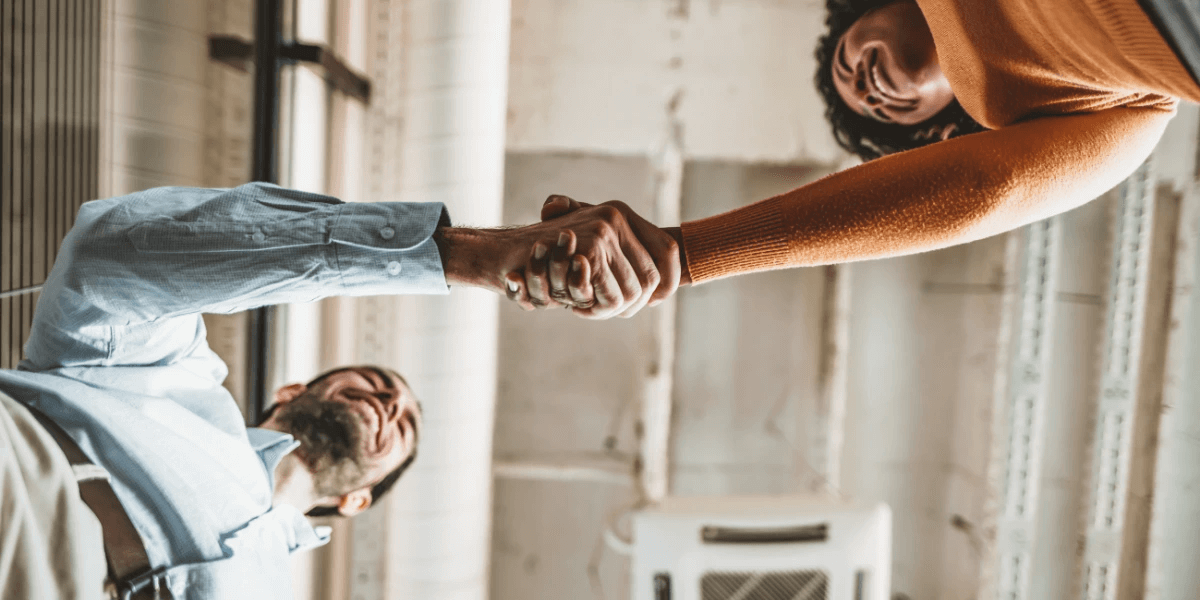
(617, 205)
(605, 229)
(670, 247)
(607, 296)
(608, 212)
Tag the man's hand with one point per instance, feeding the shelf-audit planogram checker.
(548, 279)
(603, 261)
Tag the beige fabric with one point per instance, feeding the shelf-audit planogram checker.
(50, 542)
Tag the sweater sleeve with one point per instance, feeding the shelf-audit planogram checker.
(948, 193)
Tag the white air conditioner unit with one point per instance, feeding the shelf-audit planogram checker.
(762, 548)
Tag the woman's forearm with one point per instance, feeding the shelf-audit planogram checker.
(941, 195)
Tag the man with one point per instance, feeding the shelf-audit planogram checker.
(120, 398)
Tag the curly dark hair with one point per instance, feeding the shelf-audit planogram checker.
(867, 138)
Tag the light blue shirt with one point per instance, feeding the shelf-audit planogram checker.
(117, 356)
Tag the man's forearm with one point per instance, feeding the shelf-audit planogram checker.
(145, 259)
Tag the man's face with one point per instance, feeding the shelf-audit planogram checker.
(354, 427)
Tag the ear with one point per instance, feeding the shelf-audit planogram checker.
(289, 392)
(354, 502)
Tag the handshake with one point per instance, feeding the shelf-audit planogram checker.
(598, 261)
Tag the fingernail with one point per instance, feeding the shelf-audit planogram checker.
(563, 238)
(653, 303)
(552, 198)
(512, 286)
(576, 265)
(539, 252)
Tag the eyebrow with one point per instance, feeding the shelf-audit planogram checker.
(841, 56)
(383, 376)
(378, 373)
(840, 61)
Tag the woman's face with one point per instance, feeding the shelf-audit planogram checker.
(886, 66)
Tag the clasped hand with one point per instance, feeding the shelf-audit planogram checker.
(605, 261)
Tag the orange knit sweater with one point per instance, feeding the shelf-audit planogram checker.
(1076, 93)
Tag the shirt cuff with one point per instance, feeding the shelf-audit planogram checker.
(388, 248)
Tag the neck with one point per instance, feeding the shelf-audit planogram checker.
(294, 484)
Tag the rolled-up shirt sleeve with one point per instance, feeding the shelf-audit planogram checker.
(135, 272)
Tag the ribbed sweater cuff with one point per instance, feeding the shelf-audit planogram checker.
(753, 238)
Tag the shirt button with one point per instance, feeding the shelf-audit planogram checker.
(387, 233)
(393, 268)
(259, 236)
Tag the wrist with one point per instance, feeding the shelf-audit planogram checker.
(468, 256)
(685, 276)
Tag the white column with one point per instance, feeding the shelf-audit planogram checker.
(437, 133)
(830, 432)
(659, 383)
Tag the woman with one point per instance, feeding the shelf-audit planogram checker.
(981, 115)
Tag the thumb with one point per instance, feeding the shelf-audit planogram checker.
(557, 206)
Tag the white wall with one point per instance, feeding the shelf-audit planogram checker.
(603, 75)
(568, 394)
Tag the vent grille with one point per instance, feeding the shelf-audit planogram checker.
(765, 585)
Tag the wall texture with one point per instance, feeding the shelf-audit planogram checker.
(609, 76)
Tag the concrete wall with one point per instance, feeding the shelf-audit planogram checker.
(922, 359)
(567, 394)
(608, 76)
(922, 363)
(925, 349)
(748, 355)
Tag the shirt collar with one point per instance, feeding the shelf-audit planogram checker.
(271, 446)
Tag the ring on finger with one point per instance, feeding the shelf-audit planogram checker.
(560, 294)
